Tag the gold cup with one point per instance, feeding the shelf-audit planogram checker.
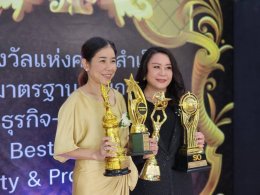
(137, 107)
(190, 157)
(151, 169)
(117, 165)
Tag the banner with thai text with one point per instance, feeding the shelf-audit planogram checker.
(40, 44)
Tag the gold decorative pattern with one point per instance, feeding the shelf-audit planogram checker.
(164, 28)
(72, 6)
(20, 7)
(117, 9)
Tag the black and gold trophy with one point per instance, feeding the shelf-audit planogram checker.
(117, 165)
(137, 107)
(190, 157)
(151, 169)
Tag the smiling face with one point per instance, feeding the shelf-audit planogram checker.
(159, 73)
(102, 67)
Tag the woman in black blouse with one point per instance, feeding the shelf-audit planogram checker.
(159, 72)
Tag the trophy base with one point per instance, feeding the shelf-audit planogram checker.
(116, 172)
(151, 170)
(191, 162)
(151, 177)
(150, 173)
(139, 144)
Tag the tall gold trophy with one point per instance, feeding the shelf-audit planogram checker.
(190, 157)
(137, 107)
(151, 169)
(117, 165)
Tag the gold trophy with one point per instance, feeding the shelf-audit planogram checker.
(190, 157)
(151, 170)
(117, 165)
(137, 107)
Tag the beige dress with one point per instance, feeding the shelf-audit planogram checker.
(80, 126)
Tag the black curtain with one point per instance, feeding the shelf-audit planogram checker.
(246, 95)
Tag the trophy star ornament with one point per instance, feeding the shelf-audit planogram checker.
(130, 84)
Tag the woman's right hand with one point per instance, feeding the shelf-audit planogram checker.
(107, 149)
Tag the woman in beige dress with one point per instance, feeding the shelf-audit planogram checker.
(80, 134)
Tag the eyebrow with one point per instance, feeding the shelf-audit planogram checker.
(102, 57)
(157, 63)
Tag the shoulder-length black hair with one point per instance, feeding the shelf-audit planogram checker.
(88, 51)
(176, 87)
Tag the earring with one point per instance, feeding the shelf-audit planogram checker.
(144, 79)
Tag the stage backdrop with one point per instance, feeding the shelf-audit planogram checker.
(40, 59)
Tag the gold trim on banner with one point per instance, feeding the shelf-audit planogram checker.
(20, 7)
(117, 9)
(72, 6)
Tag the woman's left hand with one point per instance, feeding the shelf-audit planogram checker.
(200, 139)
(153, 145)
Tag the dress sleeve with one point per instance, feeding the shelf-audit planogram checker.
(64, 139)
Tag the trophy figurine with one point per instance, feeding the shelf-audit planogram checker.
(117, 165)
(137, 107)
(190, 157)
(151, 169)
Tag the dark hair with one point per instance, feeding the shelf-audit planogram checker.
(176, 87)
(88, 51)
